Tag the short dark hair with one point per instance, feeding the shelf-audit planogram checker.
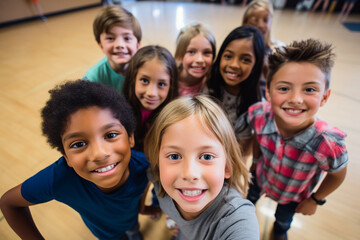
(311, 51)
(67, 98)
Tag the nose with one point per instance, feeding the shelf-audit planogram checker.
(234, 63)
(190, 171)
(151, 90)
(296, 97)
(98, 150)
(199, 57)
(119, 43)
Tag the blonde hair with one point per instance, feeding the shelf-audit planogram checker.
(215, 120)
(256, 4)
(187, 33)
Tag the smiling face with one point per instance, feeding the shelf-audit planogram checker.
(197, 61)
(236, 64)
(97, 147)
(297, 91)
(261, 19)
(119, 45)
(192, 165)
(152, 84)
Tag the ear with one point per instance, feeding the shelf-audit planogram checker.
(67, 160)
(325, 97)
(100, 45)
(267, 93)
(132, 140)
(138, 45)
(227, 172)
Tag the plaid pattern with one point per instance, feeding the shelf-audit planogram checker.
(290, 168)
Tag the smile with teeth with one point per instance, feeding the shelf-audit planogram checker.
(191, 193)
(230, 74)
(105, 169)
(294, 111)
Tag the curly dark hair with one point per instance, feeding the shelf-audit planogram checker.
(67, 98)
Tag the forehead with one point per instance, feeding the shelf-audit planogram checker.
(299, 73)
(154, 67)
(199, 41)
(240, 46)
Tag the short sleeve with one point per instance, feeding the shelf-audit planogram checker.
(331, 151)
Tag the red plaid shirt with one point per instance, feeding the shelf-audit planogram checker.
(290, 168)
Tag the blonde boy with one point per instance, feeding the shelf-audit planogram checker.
(118, 35)
(296, 147)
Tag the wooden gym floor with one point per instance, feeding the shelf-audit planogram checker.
(35, 56)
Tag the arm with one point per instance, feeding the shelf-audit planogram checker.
(16, 212)
(147, 210)
(331, 182)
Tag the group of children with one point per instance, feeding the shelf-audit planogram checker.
(185, 123)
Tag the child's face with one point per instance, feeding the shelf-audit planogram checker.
(97, 147)
(152, 84)
(198, 58)
(192, 165)
(296, 92)
(119, 45)
(261, 19)
(236, 64)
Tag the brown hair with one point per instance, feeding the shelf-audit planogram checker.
(215, 120)
(310, 51)
(115, 15)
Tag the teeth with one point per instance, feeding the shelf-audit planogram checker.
(232, 74)
(293, 110)
(191, 193)
(105, 169)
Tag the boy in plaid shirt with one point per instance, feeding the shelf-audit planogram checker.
(295, 146)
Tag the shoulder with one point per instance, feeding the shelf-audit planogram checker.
(42, 186)
(329, 144)
(259, 113)
(240, 218)
(99, 72)
(139, 160)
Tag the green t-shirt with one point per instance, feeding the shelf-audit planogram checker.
(103, 73)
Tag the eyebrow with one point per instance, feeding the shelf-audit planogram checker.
(79, 134)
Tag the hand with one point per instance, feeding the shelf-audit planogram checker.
(306, 207)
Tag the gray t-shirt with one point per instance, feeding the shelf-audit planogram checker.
(228, 217)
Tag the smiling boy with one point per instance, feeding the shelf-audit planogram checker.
(118, 34)
(98, 175)
(296, 147)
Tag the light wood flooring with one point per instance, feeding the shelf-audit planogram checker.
(35, 56)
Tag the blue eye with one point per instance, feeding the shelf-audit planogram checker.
(111, 135)
(174, 156)
(207, 157)
(77, 145)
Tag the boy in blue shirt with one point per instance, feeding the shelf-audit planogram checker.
(118, 35)
(99, 176)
